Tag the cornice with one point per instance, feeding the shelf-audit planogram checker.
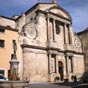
(8, 28)
(50, 48)
(83, 32)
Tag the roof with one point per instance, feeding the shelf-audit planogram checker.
(83, 32)
(36, 5)
(7, 18)
(8, 28)
(52, 5)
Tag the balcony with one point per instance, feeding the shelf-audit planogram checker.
(68, 47)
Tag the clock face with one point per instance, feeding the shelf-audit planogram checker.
(31, 32)
(77, 43)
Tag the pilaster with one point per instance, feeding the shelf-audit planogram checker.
(64, 34)
(54, 31)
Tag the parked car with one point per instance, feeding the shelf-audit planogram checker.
(85, 77)
(2, 77)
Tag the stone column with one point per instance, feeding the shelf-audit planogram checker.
(49, 76)
(64, 33)
(67, 75)
(56, 64)
(57, 68)
(49, 56)
(54, 30)
(71, 34)
(49, 29)
(73, 64)
(47, 24)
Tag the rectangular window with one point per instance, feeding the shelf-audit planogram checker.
(2, 30)
(2, 72)
(1, 43)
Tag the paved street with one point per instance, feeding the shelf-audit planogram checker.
(84, 85)
(74, 85)
(59, 85)
(52, 85)
(47, 86)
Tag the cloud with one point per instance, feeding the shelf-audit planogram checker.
(77, 8)
(79, 11)
(80, 19)
(17, 2)
(74, 3)
(11, 7)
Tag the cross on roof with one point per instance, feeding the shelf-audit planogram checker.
(54, 1)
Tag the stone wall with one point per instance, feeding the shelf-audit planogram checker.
(84, 38)
(78, 66)
(4, 22)
(35, 65)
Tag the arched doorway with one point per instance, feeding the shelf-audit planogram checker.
(60, 69)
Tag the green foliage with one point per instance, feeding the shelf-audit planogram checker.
(74, 78)
(57, 78)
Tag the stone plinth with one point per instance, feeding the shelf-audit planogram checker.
(13, 84)
(14, 68)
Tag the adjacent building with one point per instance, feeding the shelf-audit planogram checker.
(47, 46)
(84, 38)
(8, 33)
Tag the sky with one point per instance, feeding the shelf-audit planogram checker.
(78, 10)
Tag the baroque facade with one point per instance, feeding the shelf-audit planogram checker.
(48, 48)
(84, 38)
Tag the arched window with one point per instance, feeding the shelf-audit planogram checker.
(2, 43)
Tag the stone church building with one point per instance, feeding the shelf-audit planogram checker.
(47, 46)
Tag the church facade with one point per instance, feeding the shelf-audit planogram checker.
(48, 48)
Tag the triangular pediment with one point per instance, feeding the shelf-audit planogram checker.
(59, 11)
(53, 8)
